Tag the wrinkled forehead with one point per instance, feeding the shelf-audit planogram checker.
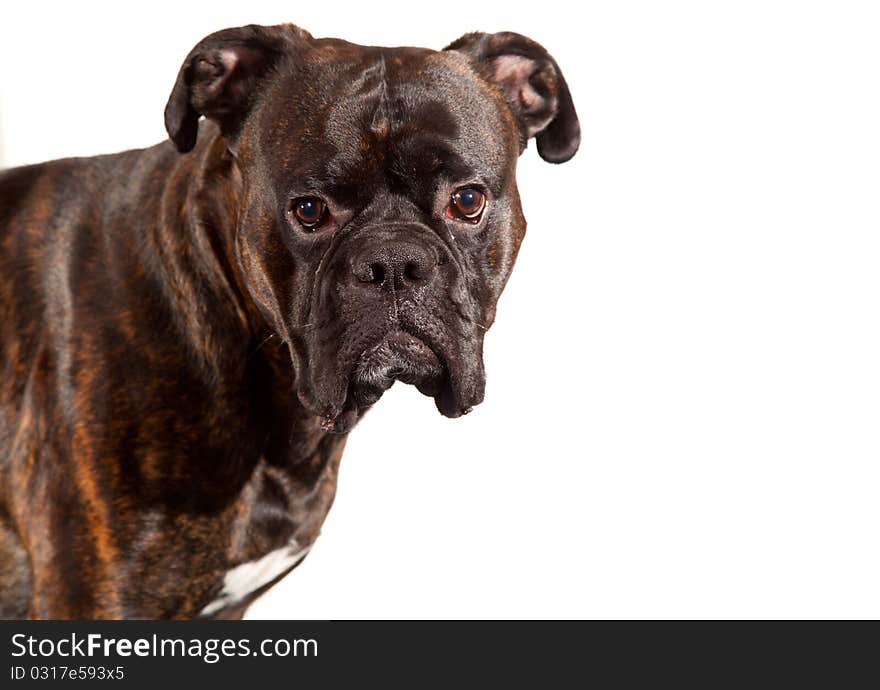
(350, 113)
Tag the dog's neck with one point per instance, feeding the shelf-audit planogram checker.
(229, 340)
(195, 246)
(266, 465)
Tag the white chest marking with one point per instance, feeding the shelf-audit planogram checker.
(249, 577)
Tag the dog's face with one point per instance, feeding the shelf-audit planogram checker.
(379, 217)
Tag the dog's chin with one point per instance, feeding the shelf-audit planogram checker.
(399, 356)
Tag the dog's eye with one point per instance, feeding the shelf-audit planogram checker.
(468, 204)
(310, 211)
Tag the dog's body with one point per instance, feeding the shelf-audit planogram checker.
(178, 333)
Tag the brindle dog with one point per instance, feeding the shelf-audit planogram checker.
(189, 331)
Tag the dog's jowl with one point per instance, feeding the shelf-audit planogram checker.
(188, 332)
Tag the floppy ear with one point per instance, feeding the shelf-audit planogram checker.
(219, 77)
(533, 87)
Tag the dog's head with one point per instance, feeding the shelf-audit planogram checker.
(379, 217)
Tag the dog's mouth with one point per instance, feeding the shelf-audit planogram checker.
(398, 356)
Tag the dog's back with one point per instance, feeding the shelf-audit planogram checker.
(24, 239)
(43, 208)
(66, 243)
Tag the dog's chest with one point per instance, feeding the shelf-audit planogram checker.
(279, 509)
(246, 578)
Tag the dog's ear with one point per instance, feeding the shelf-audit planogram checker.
(219, 77)
(533, 86)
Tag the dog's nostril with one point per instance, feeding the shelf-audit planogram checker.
(376, 273)
(413, 271)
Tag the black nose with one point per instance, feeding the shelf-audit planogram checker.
(395, 266)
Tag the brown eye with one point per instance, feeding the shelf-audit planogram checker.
(468, 204)
(310, 211)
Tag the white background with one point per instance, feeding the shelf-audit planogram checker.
(684, 379)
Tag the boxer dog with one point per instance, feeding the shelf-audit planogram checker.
(189, 331)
